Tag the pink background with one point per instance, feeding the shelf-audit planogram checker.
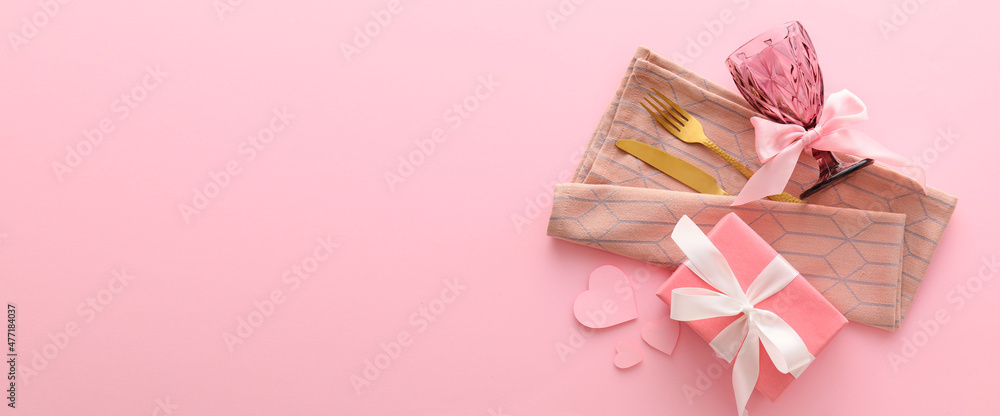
(158, 343)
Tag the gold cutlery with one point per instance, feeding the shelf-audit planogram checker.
(678, 122)
(669, 164)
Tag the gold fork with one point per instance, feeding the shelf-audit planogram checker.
(683, 126)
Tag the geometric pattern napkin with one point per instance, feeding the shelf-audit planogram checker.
(851, 256)
(893, 261)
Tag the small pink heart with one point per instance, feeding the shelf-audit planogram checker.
(609, 301)
(627, 354)
(662, 335)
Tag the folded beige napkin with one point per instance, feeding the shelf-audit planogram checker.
(868, 263)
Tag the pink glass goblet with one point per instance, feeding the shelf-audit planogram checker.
(778, 74)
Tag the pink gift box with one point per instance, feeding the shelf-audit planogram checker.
(799, 304)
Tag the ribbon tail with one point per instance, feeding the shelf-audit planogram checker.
(772, 177)
(746, 369)
(856, 143)
(727, 343)
(786, 348)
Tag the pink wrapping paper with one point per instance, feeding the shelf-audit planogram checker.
(799, 304)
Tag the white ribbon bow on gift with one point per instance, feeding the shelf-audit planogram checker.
(754, 326)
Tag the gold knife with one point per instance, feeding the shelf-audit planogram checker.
(674, 167)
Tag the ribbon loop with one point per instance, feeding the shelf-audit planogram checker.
(779, 146)
(739, 343)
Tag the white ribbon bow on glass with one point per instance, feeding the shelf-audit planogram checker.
(779, 146)
(754, 326)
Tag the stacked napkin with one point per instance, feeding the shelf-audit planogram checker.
(864, 243)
